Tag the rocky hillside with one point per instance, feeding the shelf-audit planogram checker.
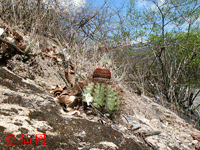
(31, 66)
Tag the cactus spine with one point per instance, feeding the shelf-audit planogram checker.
(106, 97)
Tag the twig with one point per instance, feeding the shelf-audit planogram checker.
(136, 128)
(12, 45)
(196, 107)
(29, 46)
(125, 118)
(101, 114)
(195, 95)
(63, 79)
(143, 135)
(152, 133)
(149, 144)
(84, 22)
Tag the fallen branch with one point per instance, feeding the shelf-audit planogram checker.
(195, 96)
(125, 118)
(152, 133)
(136, 128)
(149, 144)
(12, 45)
(62, 77)
(16, 47)
(97, 111)
(143, 135)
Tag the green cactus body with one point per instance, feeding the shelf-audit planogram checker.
(113, 100)
(106, 97)
(99, 93)
(88, 89)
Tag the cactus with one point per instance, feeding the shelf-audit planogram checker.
(99, 92)
(88, 89)
(106, 97)
(113, 101)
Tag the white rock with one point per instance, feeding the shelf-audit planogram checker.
(109, 144)
(195, 142)
(10, 39)
(1, 31)
(73, 112)
(59, 60)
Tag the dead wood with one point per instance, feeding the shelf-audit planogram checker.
(15, 47)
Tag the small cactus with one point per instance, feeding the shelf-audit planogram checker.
(88, 90)
(99, 92)
(105, 97)
(113, 100)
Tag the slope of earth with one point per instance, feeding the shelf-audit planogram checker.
(176, 133)
(26, 108)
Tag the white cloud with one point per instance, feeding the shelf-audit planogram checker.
(154, 7)
(138, 40)
(151, 5)
(72, 3)
(148, 5)
(161, 2)
(142, 4)
(69, 5)
(79, 3)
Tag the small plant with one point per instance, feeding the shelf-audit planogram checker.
(113, 100)
(105, 97)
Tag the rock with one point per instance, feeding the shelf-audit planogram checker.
(143, 112)
(1, 31)
(109, 145)
(195, 142)
(10, 39)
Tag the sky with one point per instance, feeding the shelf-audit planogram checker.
(99, 3)
(114, 3)
(119, 3)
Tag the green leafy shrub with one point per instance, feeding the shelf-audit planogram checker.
(105, 98)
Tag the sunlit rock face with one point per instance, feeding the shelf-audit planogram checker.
(28, 109)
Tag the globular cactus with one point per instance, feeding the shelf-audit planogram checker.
(88, 89)
(113, 100)
(99, 93)
(105, 97)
